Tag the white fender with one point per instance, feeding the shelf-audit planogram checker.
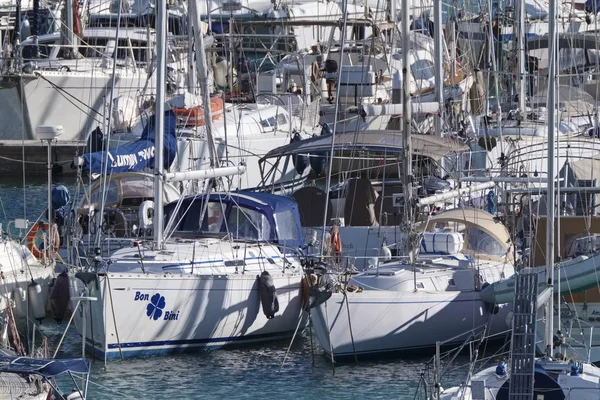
(37, 306)
(145, 214)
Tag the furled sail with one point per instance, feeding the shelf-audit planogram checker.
(138, 155)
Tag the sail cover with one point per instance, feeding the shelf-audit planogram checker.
(138, 155)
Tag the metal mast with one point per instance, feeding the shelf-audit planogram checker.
(161, 68)
(406, 115)
(439, 64)
(550, 178)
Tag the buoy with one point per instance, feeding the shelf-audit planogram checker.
(145, 214)
(317, 163)
(300, 161)
(386, 253)
(32, 236)
(37, 306)
(19, 296)
(223, 73)
(268, 295)
(59, 298)
(194, 116)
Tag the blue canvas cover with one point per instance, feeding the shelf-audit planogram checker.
(281, 212)
(138, 155)
(60, 201)
(44, 367)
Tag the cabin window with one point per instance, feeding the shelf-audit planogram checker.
(214, 217)
(211, 223)
(112, 194)
(102, 47)
(481, 242)
(570, 58)
(247, 224)
(286, 227)
(271, 122)
(422, 69)
(451, 282)
(420, 285)
(268, 122)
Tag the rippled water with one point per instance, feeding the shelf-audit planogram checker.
(235, 373)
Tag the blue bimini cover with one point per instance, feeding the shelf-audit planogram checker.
(279, 224)
(138, 155)
(46, 368)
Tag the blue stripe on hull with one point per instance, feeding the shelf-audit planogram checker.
(147, 349)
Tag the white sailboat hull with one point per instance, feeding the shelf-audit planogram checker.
(386, 321)
(198, 311)
(75, 100)
(19, 267)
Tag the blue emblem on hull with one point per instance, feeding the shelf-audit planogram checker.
(157, 304)
(155, 309)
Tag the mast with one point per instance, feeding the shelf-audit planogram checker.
(161, 68)
(439, 64)
(406, 116)
(520, 28)
(550, 178)
(202, 69)
(191, 75)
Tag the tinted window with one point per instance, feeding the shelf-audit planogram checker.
(422, 69)
(286, 226)
(112, 194)
(247, 224)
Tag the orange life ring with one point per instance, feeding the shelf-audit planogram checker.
(336, 242)
(32, 236)
(194, 116)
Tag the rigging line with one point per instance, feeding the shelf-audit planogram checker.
(64, 93)
(112, 307)
(22, 107)
(350, 324)
(300, 319)
(343, 30)
(32, 162)
(106, 180)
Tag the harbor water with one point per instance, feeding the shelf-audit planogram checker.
(242, 373)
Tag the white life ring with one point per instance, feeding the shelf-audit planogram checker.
(145, 214)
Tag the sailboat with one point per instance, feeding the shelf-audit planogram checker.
(203, 279)
(414, 302)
